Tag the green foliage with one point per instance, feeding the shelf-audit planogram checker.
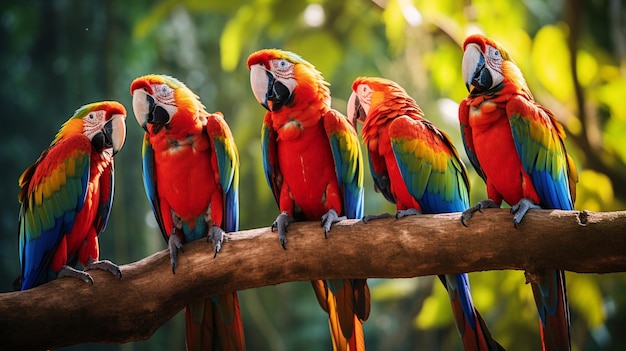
(64, 54)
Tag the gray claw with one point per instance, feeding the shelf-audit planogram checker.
(104, 265)
(67, 271)
(368, 218)
(216, 235)
(280, 224)
(174, 244)
(467, 214)
(407, 212)
(521, 208)
(328, 219)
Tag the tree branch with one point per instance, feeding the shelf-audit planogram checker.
(68, 311)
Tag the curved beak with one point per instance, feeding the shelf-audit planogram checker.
(115, 132)
(475, 72)
(146, 110)
(112, 135)
(268, 91)
(356, 111)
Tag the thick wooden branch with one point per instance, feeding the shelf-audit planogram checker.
(68, 311)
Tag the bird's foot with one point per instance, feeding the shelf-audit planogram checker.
(67, 271)
(368, 218)
(520, 209)
(467, 214)
(216, 236)
(280, 224)
(174, 244)
(328, 219)
(104, 265)
(407, 212)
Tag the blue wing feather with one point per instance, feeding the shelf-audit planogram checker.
(436, 190)
(149, 183)
(41, 226)
(542, 153)
(270, 155)
(344, 144)
(228, 167)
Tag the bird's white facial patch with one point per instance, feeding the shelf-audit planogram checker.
(163, 94)
(493, 60)
(93, 122)
(284, 72)
(364, 92)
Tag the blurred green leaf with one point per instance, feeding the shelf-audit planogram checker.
(550, 59)
(436, 311)
(393, 289)
(232, 36)
(585, 297)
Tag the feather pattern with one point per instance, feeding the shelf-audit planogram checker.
(189, 151)
(421, 170)
(66, 198)
(313, 164)
(517, 147)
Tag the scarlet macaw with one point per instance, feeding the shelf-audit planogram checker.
(516, 146)
(415, 166)
(313, 165)
(191, 177)
(66, 197)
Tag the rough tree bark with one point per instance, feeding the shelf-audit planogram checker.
(68, 311)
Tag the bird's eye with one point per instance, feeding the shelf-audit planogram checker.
(91, 116)
(497, 53)
(162, 90)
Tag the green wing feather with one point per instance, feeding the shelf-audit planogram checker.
(430, 165)
(227, 158)
(348, 159)
(53, 192)
(538, 137)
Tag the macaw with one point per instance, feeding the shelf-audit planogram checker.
(191, 177)
(415, 166)
(66, 197)
(313, 164)
(516, 146)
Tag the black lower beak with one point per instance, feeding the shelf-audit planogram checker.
(481, 80)
(103, 140)
(157, 114)
(277, 93)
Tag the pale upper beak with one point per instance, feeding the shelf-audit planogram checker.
(356, 110)
(270, 92)
(115, 131)
(260, 81)
(475, 72)
(141, 108)
(147, 111)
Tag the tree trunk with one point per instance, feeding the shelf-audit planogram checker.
(68, 311)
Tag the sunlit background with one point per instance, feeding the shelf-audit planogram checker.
(59, 55)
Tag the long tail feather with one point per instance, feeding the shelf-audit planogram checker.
(214, 324)
(469, 323)
(347, 306)
(551, 299)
